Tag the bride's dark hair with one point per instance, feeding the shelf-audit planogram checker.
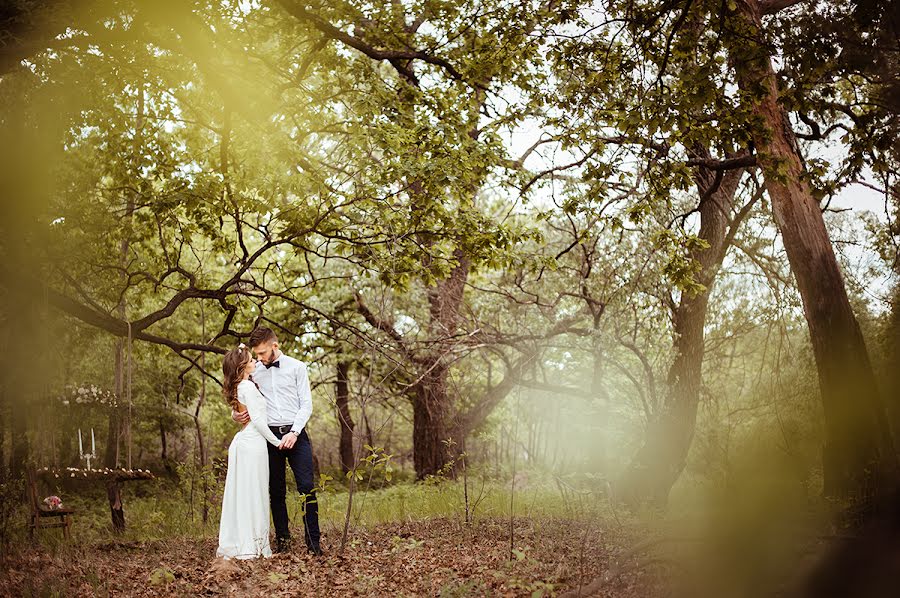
(233, 368)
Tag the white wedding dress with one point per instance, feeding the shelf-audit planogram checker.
(244, 525)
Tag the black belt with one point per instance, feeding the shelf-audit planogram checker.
(281, 429)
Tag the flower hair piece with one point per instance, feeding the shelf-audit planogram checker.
(242, 346)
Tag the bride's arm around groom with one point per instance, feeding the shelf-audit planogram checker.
(250, 396)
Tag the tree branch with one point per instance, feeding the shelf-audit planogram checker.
(727, 164)
(394, 57)
(768, 7)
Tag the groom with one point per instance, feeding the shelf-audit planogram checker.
(284, 383)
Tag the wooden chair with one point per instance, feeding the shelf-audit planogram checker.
(42, 517)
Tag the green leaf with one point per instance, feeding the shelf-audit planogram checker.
(161, 576)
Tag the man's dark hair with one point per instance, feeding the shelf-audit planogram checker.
(261, 335)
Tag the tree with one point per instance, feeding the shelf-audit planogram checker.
(859, 457)
(697, 51)
(672, 126)
(434, 145)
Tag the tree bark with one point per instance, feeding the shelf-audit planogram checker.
(431, 405)
(345, 421)
(114, 494)
(661, 459)
(858, 456)
(164, 450)
(431, 400)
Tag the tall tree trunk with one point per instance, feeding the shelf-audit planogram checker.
(345, 421)
(164, 451)
(858, 456)
(661, 459)
(432, 402)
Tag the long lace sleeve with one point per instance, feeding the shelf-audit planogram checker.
(256, 406)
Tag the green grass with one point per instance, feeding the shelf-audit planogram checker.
(412, 502)
(162, 509)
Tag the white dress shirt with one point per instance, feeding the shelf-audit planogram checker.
(286, 388)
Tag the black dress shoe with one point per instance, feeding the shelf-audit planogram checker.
(315, 550)
(282, 545)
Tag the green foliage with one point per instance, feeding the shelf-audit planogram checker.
(399, 544)
(229, 165)
(161, 576)
(376, 464)
(11, 492)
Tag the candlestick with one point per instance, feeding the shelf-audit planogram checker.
(80, 448)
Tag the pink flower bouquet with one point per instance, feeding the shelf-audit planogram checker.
(53, 503)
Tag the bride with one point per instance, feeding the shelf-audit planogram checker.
(244, 526)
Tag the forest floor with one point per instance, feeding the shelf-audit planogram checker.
(434, 557)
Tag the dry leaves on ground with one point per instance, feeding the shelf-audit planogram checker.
(436, 557)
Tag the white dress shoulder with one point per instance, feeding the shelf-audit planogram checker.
(244, 524)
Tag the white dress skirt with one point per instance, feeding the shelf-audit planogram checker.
(244, 525)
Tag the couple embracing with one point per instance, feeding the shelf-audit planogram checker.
(270, 397)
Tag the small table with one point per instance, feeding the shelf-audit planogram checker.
(113, 479)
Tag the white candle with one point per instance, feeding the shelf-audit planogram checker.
(80, 448)
(93, 449)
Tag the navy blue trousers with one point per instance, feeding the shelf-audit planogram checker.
(301, 462)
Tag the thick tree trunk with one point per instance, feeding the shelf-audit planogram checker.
(662, 457)
(345, 421)
(858, 457)
(432, 403)
(430, 408)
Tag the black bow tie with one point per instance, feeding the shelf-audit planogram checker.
(273, 364)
